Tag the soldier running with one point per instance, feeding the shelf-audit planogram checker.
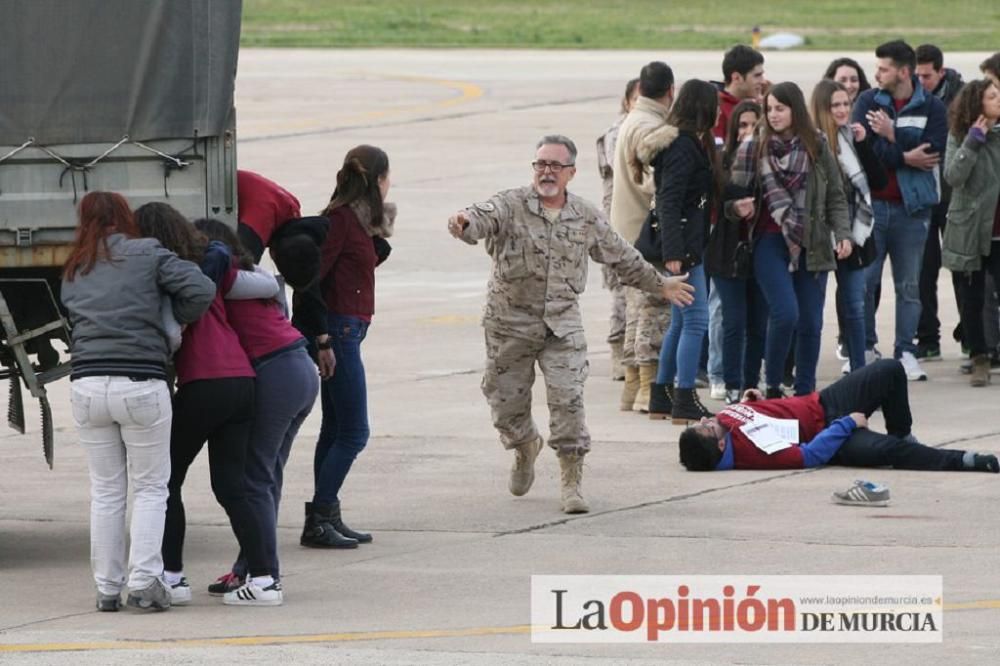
(540, 237)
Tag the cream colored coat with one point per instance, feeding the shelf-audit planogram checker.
(631, 201)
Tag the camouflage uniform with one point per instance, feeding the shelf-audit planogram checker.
(647, 318)
(532, 311)
(605, 158)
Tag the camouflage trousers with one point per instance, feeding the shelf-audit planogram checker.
(617, 289)
(510, 375)
(647, 317)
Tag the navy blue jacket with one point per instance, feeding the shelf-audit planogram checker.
(922, 120)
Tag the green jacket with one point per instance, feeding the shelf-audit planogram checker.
(828, 222)
(973, 170)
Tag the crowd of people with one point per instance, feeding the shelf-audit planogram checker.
(797, 187)
(726, 206)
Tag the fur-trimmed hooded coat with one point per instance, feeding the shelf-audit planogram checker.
(682, 173)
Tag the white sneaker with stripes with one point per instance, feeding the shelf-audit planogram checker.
(251, 594)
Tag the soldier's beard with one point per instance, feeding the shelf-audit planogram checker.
(547, 190)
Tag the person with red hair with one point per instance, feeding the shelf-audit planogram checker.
(120, 400)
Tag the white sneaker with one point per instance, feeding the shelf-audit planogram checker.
(872, 355)
(180, 593)
(842, 352)
(914, 372)
(250, 594)
(717, 392)
(846, 368)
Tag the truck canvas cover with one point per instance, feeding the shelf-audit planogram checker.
(166, 69)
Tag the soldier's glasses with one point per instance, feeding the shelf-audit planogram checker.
(555, 167)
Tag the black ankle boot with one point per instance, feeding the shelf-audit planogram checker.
(660, 403)
(319, 531)
(338, 524)
(687, 407)
(773, 392)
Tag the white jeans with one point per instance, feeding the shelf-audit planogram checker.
(124, 426)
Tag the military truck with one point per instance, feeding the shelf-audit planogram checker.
(117, 95)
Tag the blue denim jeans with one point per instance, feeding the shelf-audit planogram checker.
(901, 236)
(795, 307)
(682, 344)
(744, 322)
(344, 398)
(851, 308)
(715, 371)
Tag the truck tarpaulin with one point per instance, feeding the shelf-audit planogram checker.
(165, 69)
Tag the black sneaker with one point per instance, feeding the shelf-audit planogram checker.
(986, 462)
(224, 583)
(928, 352)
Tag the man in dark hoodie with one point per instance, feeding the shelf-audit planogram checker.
(944, 83)
(743, 78)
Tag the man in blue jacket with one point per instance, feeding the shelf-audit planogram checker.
(909, 128)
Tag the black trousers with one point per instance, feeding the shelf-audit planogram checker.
(972, 289)
(219, 411)
(882, 385)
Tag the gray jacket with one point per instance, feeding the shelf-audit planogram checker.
(114, 310)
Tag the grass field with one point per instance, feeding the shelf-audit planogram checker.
(617, 24)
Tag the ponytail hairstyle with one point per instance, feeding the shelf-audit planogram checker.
(790, 95)
(629, 91)
(99, 214)
(358, 180)
(167, 225)
(214, 230)
(820, 104)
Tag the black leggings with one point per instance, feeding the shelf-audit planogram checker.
(221, 412)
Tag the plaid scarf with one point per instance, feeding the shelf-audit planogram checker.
(859, 198)
(783, 174)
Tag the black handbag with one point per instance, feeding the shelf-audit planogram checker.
(727, 255)
(648, 242)
(863, 256)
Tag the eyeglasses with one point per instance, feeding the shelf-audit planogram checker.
(555, 167)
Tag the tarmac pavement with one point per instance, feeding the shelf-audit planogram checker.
(447, 578)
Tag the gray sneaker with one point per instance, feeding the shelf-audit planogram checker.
(109, 603)
(863, 493)
(155, 597)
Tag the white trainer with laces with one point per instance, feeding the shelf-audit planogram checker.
(911, 365)
(251, 594)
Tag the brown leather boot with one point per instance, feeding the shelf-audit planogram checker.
(980, 371)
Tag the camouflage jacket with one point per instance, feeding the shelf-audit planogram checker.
(540, 268)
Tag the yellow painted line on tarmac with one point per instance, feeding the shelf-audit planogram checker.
(974, 605)
(467, 92)
(345, 637)
(264, 640)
